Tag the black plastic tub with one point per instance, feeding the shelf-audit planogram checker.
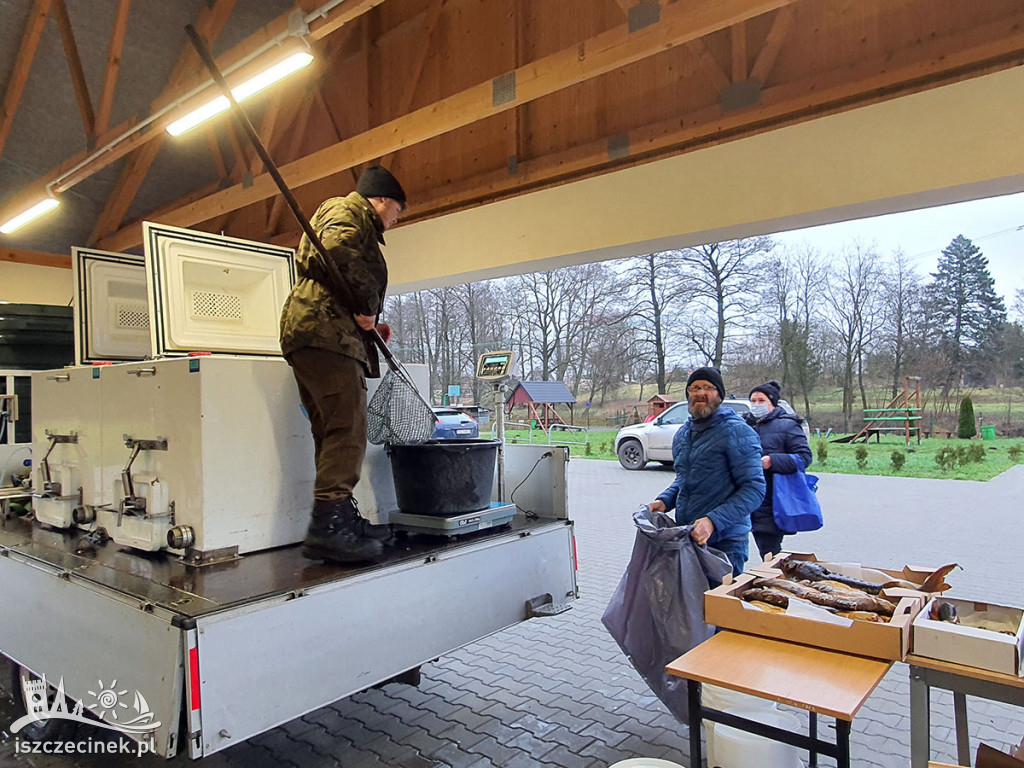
(444, 477)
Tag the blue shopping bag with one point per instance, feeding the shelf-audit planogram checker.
(795, 502)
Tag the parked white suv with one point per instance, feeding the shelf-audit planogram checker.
(652, 441)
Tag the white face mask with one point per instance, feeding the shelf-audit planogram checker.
(760, 410)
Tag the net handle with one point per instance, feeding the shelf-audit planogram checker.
(247, 127)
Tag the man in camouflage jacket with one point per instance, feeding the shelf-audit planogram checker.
(330, 356)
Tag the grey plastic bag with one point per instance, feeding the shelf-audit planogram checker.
(657, 611)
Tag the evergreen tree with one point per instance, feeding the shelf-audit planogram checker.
(962, 302)
(966, 429)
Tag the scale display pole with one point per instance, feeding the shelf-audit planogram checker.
(497, 367)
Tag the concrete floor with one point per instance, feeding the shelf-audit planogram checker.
(558, 692)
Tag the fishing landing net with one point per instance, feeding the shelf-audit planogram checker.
(397, 413)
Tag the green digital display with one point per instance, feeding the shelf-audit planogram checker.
(494, 365)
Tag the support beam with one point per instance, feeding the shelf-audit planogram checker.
(603, 53)
(91, 163)
(700, 50)
(210, 22)
(67, 36)
(114, 49)
(773, 44)
(738, 35)
(418, 59)
(35, 258)
(298, 133)
(965, 54)
(218, 156)
(22, 65)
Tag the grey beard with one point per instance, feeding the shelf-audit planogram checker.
(702, 411)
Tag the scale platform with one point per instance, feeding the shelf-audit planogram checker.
(499, 513)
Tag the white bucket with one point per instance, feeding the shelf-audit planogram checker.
(645, 762)
(725, 700)
(739, 749)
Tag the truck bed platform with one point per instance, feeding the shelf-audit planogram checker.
(162, 580)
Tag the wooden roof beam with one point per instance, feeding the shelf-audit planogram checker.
(418, 59)
(738, 36)
(22, 65)
(218, 156)
(341, 14)
(114, 49)
(603, 53)
(700, 50)
(994, 46)
(67, 36)
(773, 43)
(209, 24)
(35, 258)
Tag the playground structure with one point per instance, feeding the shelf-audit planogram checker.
(540, 398)
(905, 409)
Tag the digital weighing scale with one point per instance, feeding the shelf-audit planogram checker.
(496, 368)
(496, 515)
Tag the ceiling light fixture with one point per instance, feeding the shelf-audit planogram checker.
(253, 85)
(23, 218)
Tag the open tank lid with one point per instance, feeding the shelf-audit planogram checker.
(211, 293)
(111, 311)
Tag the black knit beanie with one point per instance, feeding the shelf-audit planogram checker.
(710, 375)
(377, 181)
(770, 389)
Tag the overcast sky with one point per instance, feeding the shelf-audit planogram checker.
(995, 225)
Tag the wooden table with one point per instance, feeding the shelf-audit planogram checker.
(819, 681)
(926, 674)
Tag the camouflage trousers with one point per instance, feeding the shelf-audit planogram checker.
(332, 388)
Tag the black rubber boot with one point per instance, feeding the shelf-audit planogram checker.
(336, 534)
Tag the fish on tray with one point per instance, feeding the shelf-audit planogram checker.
(806, 570)
(839, 601)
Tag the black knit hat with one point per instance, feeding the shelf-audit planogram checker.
(710, 375)
(377, 181)
(770, 389)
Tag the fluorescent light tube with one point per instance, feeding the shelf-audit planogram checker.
(241, 92)
(34, 212)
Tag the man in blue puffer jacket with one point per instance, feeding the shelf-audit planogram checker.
(719, 480)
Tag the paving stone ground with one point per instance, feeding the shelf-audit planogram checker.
(558, 693)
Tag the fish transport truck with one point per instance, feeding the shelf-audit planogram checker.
(171, 483)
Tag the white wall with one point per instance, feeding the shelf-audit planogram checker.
(27, 284)
(955, 143)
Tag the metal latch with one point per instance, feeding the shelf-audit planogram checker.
(51, 488)
(131, 503)
(544, 605)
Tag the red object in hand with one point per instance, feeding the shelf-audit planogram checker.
(385, 331)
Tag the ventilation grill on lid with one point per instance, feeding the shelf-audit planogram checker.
(217, 306)
(132, 315)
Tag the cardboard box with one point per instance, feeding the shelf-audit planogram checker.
(969, 644)
(889, 641)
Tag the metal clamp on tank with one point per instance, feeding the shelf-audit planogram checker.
(131, 503)
(51, 488)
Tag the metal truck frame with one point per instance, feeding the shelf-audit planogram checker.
(221, 653)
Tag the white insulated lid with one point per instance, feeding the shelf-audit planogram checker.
(111, 307)
(211, 293)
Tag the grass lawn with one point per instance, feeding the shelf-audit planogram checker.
(920, 459)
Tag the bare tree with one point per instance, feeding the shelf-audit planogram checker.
(793, 291)
(901, 297)
(560, 312)
(659, 289)
(723, 277)
(852, 295)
